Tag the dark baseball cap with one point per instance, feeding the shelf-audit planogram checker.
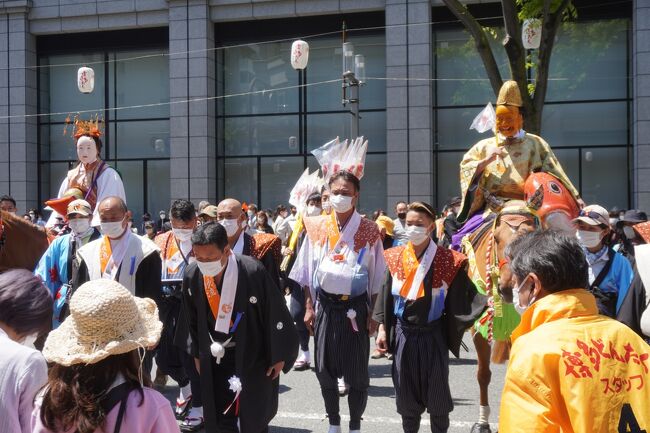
(633, 216)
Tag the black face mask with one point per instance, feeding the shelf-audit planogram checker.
(401, 215)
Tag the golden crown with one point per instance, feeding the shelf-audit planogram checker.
(92, 127)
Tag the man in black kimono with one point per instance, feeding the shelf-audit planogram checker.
(264, 247)
(426, 304)
(242, 335)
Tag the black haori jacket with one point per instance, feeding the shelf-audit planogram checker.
(264, 336)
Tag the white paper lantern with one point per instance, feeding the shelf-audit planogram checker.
(85, 79)
(531, 33)
(299, 54)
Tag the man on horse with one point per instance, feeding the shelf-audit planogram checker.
(495, 169)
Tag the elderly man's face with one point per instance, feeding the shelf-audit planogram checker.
(110, 211)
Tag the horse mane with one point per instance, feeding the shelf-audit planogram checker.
(15, 220)
(23, 243)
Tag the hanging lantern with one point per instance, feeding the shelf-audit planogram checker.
(85, 79)
(299, 54)
(531, 33)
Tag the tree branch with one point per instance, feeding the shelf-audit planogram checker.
(480, 41)
(515, 49)
(550, 25)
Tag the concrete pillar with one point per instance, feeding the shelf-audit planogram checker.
(192, 124)
(410, 173)
(641, 88)
(18, 96)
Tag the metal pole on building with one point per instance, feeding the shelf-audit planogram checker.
(353, 77)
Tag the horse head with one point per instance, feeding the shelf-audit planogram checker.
(555, 205)
(21, 243)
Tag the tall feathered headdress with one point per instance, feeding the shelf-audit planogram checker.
(92, 127)
(335, 156)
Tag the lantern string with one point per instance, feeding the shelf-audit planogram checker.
(226, 47)
(250, 93)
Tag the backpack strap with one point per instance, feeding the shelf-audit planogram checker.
(117, 395)
(603, 273)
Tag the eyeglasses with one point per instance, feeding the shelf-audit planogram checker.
(594, 215)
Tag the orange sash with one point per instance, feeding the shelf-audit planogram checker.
(212, 294)
(105, 254)
(333, 233)
(410, 265)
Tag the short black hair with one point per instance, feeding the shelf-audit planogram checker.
(183, 210)
(556, 258)
(8, 198)
(346, 176)
(210, 233)
(315, 196)
(25, 303)
(401, 202)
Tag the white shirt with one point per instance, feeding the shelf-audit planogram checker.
(23, 372)
(239, 245)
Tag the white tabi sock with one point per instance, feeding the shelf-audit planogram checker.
(484, 414)
(355, 431)
(185, 393)
(196, 412)
(334, 429)
(305, 355)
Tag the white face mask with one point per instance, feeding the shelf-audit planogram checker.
(30, 340)
(230, 225)
(629, 233)
(327, 207)
(588, 239)
(250, 214)
(183, 235)
(112, 230)
(417, 235)
(515, 299)
(341, 203)
(86, 150)
(79, 226)
(210, 269)
(162, 216)
(313, 210)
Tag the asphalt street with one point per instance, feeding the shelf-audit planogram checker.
(301, 408)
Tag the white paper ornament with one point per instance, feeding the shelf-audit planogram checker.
(299, 54)
(531, 33)
(86, 79)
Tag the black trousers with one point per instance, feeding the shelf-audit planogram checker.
(340, 351)
(297, 310)
(421, 376)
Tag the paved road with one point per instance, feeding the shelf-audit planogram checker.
(301, 407)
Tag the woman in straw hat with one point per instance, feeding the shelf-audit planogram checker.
(25, 311)
(96, 381)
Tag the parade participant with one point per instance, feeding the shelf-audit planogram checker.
(262, 246)
(120, 255)
(176, 254)
(209, 213)
(92, 176)
(241, 334)
(25, 312)
(58, 267)
(399, 229)
(342, 265)
(495, 169)
(610, 273)
(629, 238)
(427, 303)
(8, 204)
(96, 383)
(571, 369)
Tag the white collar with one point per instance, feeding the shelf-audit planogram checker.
(3, 334)
(239, 245)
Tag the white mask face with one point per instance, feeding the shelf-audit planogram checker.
(250, 214)
(341, 203)
(86, 150)
(112, 230)
(162, 216)
(515, 299)
(417, 235)
(327, 207)
(183, 235)
(629, 232)
(210, 269)
(313, 210)
(79, 226)
(30, 340)
(230, 225)
(588, 239)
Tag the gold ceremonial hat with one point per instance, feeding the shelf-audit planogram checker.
(509, 94)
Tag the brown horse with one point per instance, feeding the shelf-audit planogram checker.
(485, 248)
(21, 243)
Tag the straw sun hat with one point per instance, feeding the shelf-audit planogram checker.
(105, 319)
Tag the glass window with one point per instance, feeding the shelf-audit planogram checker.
(241, 179)
(56, 173)
(266, 135)
(600, 184)
(590, 61)
(157, 186)
(279, 175)
(448, 183)
(322, 128)
(259, 67)
(373, 185)
(587, 124)
(141, 81)
(453, 128)
(142, 139)
(132, 176)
